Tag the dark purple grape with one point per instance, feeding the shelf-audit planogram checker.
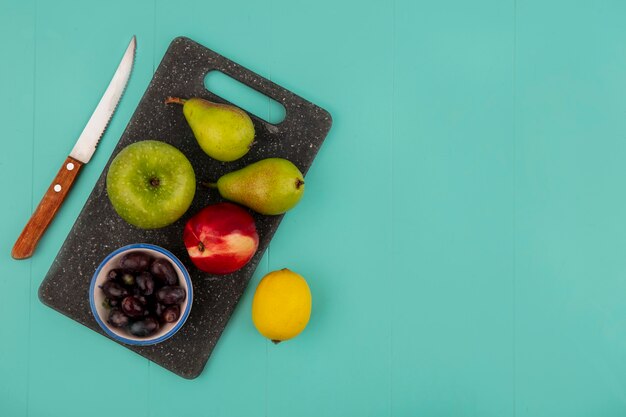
(171, 314)
(171, 295)
(164, 272)
(159, 309)
(117, 318)
(144, 327)
(145, 283)
(133, 307)
(114, 274)
(135, 261)
(114, 291)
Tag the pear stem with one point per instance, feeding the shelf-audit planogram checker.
(175, 100)
(209, 184)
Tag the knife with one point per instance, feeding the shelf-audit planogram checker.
(80, 155)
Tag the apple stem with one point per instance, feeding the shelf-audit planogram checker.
(175, 100)
(209, 184)
(275, 341)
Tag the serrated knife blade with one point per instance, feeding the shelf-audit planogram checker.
(88, 141)
(81, 154)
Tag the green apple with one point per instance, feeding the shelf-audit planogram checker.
(151, 184)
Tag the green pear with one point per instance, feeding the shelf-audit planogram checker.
(223, 132)
(270, 186)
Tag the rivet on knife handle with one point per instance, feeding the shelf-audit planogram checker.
(47, 208)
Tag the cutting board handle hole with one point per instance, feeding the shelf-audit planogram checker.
(245, 97)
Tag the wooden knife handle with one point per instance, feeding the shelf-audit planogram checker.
(47, 208)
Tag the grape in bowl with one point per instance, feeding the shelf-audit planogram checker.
(141, 294)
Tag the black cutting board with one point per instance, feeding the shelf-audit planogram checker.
(99, 230)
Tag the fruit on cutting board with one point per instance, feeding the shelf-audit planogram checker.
(224, 132)
(221, 238)
(150, 184)
(281, 306)
(270, 186)
(143, 304)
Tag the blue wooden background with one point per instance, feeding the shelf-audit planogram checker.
(463, 230)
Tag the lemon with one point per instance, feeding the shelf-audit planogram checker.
(281, 307)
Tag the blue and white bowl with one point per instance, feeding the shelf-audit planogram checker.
(96, 296)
